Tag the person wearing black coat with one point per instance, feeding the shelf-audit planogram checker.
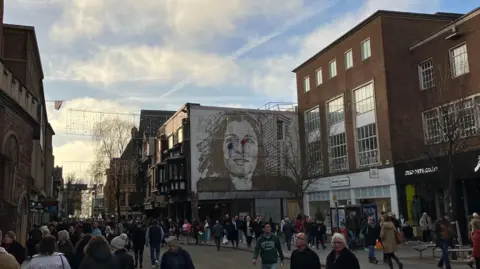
(371, 231)
(79, 253)
(98, 255)
(12, 246)
(138, 241)
(124, 260)
(341, 257)
(288, 231)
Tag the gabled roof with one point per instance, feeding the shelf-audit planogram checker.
(447, 28)
(368, 20)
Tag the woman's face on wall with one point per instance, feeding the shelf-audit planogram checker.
(240, 160)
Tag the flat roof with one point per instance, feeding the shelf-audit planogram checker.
(370, 19)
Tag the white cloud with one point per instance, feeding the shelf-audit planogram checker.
(73, 148)
(191, 20)
(273, 75)
(131, 63)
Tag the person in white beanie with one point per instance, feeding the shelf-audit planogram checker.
(118, 244)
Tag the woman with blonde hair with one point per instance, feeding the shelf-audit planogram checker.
(64, 245)
(341, 257)
(388, 235)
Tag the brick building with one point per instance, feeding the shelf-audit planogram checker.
(343, 96)
(444, 81)
(25, 135)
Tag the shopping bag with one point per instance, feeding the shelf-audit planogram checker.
(378, 245)
(225, 240)
(398, 237)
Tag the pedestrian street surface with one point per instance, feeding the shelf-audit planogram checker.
(207, 257)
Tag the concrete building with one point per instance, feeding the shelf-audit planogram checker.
(344, 96)
(445, 81)
(213, 161)
(25, 134)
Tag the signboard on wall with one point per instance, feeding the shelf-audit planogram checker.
(340, 182)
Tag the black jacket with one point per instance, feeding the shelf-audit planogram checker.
(346, 260)
(179, 259)
(124, 260)
(371, 234)
(99, 257)
(17, 250)
(138, 236)
(288, 229)
(67, 249)
(306, 259)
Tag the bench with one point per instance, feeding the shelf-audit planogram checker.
(463, 253)
(422, 248)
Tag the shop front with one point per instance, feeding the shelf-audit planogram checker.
(419, 185)
(372, 190)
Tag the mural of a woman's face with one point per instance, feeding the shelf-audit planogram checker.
(240, 160)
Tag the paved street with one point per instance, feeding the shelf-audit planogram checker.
(207, 257)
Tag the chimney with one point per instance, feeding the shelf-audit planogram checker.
(134, 132)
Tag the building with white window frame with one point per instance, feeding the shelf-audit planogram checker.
(347, 113)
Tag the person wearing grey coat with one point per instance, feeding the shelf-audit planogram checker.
(217, 232)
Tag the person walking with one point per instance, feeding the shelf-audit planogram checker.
(7, 261)
(47, 257)
(269, 248)
(65, 246)
(248, 231)
(444, 235)
(303, 257)
(389, 237)
(138, 241)
(475, 244)
(175, 257)
(125, 261)
(217, 232)
(426, 226)
(288, 231)
(98, 255)
(341, 257)
(371, 231)
(79, 251)
(12, 246)
(153, 238)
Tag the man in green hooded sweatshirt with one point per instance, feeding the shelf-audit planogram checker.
(269, 248)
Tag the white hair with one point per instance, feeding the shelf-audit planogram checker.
(339, 237)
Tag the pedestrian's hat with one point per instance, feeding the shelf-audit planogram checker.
(119, 242)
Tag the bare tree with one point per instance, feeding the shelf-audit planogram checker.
(111, 137)
(303, 170)
(447, 128)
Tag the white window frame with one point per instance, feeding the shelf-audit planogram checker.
(171, 142)
(472, 129)
(306, 84)
(356, 101)
(466, 68)
(332, 72)
(319, 76)
(337, 163)
(348, 59)
(422, 74)
(366, 53)
(308, 131)
(329, 111)
(358, 153)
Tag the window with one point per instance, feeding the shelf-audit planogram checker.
(426, 74)
(367, 145)
(179, 135)
(306, 84)
(10, 169)
(319, 76)
(338, 152)
(348, 59)
(279, 130)
(364, 99)
(170, 142)
(313, 144)
(366, 50)
(335, 111)
(333, 68)
(452, 121)
(459, 60)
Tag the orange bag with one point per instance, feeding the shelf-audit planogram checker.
(378, 245)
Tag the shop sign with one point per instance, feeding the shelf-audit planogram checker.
(340, 182)
(421, 171)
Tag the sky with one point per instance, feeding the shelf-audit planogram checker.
(120, 56)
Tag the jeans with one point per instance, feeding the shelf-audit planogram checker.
(269, 266)
(352, 240)
(207, 234)
(371, 252)
(138, 251)
(444, 259)
(155, 252)
(288, 240)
